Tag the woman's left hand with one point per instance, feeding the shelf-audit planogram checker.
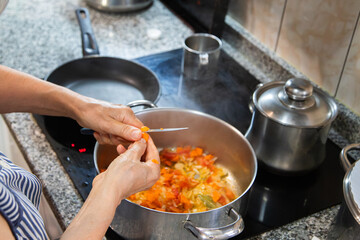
(113, 123)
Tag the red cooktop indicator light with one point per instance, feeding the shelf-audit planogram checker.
(72, 145)
(82, 150)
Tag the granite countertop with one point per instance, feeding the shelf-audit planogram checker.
(37, 36)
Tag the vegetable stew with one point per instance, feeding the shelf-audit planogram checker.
(190, 182)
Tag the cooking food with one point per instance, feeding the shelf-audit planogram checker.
(190, 182)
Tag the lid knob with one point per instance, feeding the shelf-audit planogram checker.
(298, 89)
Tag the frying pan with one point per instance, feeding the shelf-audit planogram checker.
(111, 79)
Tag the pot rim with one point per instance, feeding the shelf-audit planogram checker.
(204, 115)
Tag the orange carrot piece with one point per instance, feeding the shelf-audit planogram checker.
(145, 136)
(155, 161)
(216, 196)
(196, 152)
(185, 202)
(229, 193)
(144, 129)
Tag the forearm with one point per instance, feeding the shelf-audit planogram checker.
(20, 92)
(94, 217)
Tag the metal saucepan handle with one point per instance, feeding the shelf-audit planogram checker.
(343, 155)
(225, 232)
(89, 45)
(145, 103)
(136, 103)
(251, 102)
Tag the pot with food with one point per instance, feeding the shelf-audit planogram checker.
(206, 174)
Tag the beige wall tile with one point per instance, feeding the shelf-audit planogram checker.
(349, 88)
(315, 37)
(260, 17)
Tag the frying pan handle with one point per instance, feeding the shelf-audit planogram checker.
(89, 45)
(224, 232)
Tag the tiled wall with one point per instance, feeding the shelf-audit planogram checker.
(320, 38)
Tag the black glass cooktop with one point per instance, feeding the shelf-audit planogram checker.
(273, 201)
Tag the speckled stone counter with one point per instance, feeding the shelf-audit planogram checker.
(37, 36)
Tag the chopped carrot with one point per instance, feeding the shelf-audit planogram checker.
(144, 129)
(229, 193)
(170, 195)
(145, 136)
(187, 204)
(175, 209)
(222, 200)
(216, 196)
(155, 161)
(196, 152)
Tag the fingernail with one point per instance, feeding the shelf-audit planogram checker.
(136, 133)
(142, 140)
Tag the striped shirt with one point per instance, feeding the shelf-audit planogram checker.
(19, 201)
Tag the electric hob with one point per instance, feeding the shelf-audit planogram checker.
(273, 200)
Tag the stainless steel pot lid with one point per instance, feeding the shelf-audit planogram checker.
(351, 188)
(295, 102)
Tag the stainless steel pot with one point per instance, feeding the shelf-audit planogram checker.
(347, 221)
(290, 125)
(133, 221)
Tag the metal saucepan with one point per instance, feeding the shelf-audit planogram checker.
(347, 222)
(235, 154)
(290, 125)
(119, 5)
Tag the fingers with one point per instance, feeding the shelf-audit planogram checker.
(128, 125)
(152, 159)
(135, 150)
(110, 139)
(122, 131)
(152, 152)
(120, 149)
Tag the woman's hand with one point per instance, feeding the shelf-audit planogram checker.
(113, 123)
(136, 169)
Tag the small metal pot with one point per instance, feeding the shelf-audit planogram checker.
(235, 154)
(347, 221)
(119, 5)
(290, 125)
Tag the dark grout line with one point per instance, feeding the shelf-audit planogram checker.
(347, 54)
(281, 22)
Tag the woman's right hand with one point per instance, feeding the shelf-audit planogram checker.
(135, 169)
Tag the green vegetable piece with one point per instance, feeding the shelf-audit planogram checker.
(224, 176)
(207, 200)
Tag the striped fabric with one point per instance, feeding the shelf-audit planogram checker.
(19, 201)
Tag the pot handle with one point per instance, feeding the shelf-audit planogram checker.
(343, 155)
(136, 103)
(224, 232)
(143, 102)
(251, 102)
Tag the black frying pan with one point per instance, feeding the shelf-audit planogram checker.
(111, 79)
